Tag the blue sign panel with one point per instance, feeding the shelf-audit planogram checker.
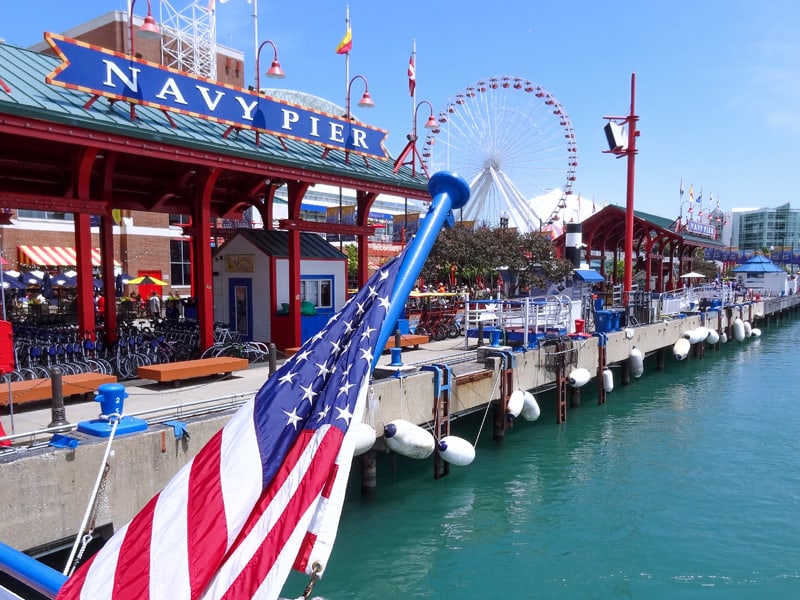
(113, 75)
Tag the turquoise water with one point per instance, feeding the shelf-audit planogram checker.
(684, 485)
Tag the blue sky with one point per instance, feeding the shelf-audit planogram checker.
(718, 82)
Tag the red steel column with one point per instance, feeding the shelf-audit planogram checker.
(631, 152)
(201, 254)
(83, 250)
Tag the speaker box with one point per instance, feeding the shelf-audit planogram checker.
(615, 137)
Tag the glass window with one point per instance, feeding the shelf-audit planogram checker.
(45, 214)
(317, 291)
(180, 265)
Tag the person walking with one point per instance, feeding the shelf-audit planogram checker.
(154, 304)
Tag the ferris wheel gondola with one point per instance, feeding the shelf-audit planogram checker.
(513, 141)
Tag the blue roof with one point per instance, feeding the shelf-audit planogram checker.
(758, 264)
(589, 275)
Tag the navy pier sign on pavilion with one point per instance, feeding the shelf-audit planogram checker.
(702, 229)
(103, 72)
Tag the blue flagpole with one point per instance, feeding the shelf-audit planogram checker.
(37, 575)
(448, 192)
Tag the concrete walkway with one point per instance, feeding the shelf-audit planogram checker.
(146, 395)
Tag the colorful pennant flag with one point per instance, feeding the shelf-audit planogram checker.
(346, 44)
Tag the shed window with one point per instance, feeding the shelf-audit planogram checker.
(317, 291)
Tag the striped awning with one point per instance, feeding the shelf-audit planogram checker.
(56, 256)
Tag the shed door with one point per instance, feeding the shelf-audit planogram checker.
(240, 293)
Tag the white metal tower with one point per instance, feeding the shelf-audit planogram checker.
(189, 38)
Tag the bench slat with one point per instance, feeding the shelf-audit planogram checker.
(42, 389)
(189, 369)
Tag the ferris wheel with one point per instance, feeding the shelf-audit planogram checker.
(512, 141)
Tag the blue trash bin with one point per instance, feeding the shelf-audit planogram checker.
(616, 320)
(599, 303)
(603, 320)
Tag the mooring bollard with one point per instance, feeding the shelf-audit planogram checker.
(398, 338)
(273, 360)
(480, 333)
(58, 412)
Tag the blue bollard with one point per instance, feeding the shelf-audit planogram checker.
(494, 336)
(111, 397)
(397, 360)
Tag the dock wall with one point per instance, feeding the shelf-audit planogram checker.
(45, 490)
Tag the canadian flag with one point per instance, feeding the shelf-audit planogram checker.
(412, 76)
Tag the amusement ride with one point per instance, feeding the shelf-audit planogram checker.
(513, 142)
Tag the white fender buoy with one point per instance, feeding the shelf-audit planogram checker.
(628, 333)
(723, 338)
(608, 380)
(530, 408)
(637, 362)
(755, 332)
(410, 440)
(457, 451)
(748, 329)
(680, 349)
(738, 329)
(363, 436)
(515, 403)
(696, 335)
(713, 337)
(579, 377)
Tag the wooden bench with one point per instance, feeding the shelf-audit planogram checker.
(406, 340)
(189, 369)
(42, 389)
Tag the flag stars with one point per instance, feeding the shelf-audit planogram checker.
(367, 332)
(287, 378)
(345, 388)
(323, 413)
(336, 347)
(322, 370)
(294, 418)
(372, 292)
(366, 353)
(302, 356)
(308, 393)
(384, 302)
(344, 413)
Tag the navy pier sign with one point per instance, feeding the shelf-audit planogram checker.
(103, 72)
(701, 229)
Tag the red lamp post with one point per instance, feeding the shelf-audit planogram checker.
(411, 147)
(148, 30)
(365, 102)
(275, 72)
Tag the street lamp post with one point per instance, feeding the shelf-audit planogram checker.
(148, 30)
(411, 146)
(365, 102)
(274, 72)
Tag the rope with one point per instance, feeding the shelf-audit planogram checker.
(488, 406)
(70, 567)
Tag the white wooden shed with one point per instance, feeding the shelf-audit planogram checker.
(251, 284)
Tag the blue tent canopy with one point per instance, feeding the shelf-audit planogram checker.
(589, 275)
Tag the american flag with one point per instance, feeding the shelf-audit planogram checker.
(265, 494)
